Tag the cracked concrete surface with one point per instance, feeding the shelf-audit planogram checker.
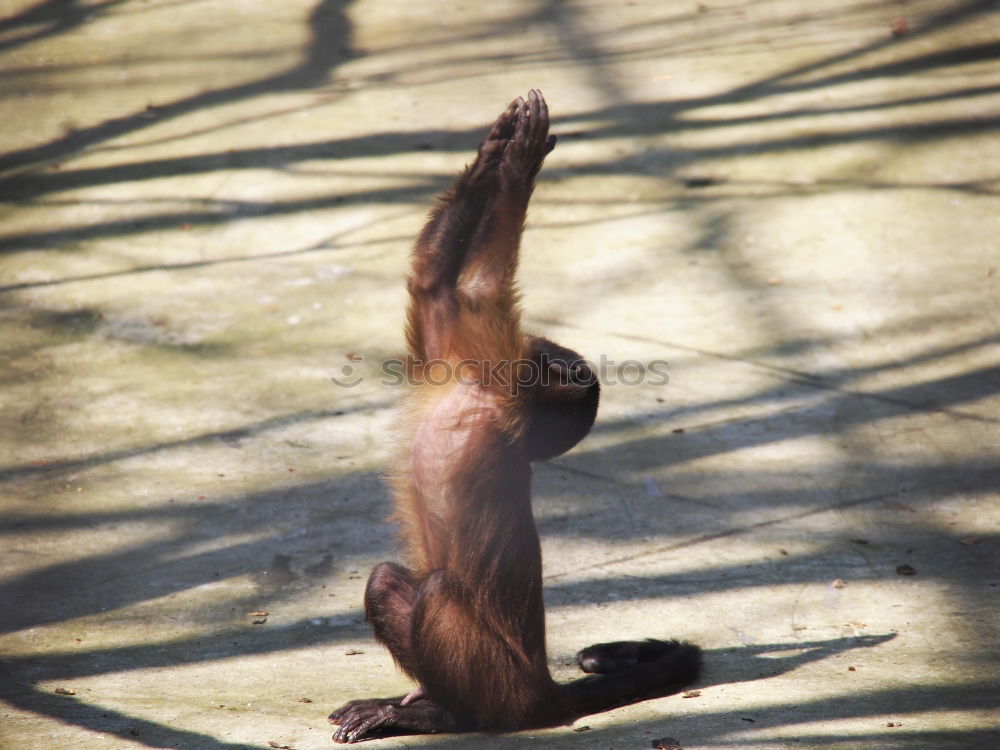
(206, 213)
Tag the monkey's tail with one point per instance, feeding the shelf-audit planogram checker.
(630, 671)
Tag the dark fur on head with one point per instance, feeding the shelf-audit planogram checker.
(565, 400)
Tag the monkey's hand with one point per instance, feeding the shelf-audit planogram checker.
(517, 143)
(531, 142)
(492, 149)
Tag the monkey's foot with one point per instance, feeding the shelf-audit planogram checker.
(359, 719)
(379, 717)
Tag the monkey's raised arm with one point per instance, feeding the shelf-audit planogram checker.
(461, 285)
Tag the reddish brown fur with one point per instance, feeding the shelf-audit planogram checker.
(466, 621)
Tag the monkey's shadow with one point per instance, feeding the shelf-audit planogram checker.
(726, 666)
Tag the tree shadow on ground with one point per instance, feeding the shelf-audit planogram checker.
(126, 577)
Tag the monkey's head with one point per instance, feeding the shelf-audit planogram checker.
(565, 398)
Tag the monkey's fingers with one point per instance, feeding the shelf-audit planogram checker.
(503, 128)
(519, 137)
(491, 150)
(531, 140)
(538, 112)
(539, 117)
(521, 124)
(540, 123)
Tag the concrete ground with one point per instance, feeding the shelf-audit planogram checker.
(207, 207)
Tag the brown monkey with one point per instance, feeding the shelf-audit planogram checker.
(466, 622)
